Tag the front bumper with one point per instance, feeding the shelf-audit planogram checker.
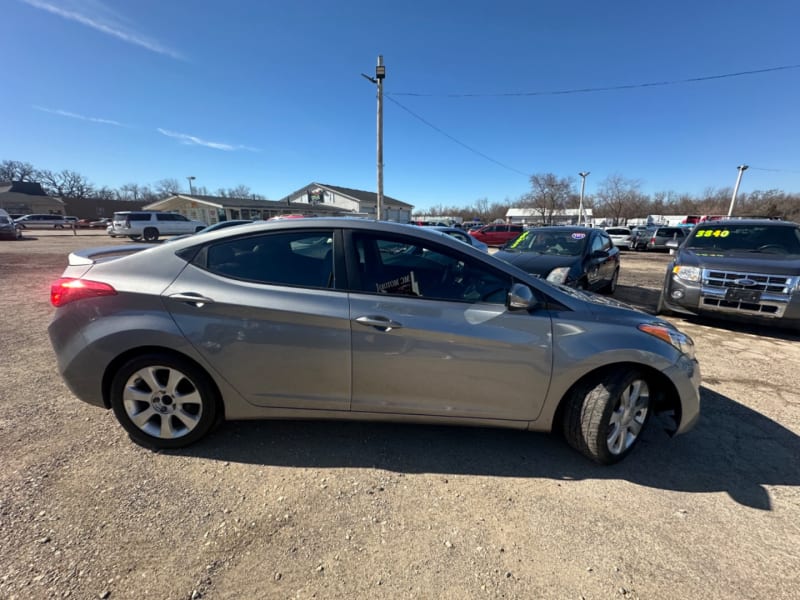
(704, 297)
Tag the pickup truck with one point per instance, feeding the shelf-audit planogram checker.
(746, 269)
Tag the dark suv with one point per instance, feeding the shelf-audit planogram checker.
(741, 268)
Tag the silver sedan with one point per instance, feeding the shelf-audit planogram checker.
(356, 319)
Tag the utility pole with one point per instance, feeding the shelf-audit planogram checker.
(191, 178)
(583, 175)
(742, 169)
(380, 75)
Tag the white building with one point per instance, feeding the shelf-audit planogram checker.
(532, 216)
(348, 200)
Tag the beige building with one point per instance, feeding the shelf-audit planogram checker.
(27, 197)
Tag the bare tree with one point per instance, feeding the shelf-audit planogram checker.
(66, 183)
(549, 193)
(16, 170)
(618, 197)
(168, 187)
(105, 193)
(129, 191)
(240, 191)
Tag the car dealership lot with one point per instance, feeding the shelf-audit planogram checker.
(286, 509)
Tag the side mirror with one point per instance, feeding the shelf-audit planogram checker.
(673, 244)
(520, 297)
(600, 254)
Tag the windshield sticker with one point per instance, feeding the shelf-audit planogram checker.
(405, 285)
(578, 236)
(520, 239)
(723, 233)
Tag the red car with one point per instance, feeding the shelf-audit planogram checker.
(498, 234)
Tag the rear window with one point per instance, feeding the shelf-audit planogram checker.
(138, 217)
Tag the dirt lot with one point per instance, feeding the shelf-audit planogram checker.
(322, 510)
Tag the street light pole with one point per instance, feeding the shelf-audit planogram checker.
(191, 178)
(584, 175)
(742, 169)
(380, 75)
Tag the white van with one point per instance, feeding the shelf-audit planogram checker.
(41, 222)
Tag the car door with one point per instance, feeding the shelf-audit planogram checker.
(431, 334)
(265, 312)
(599, 263)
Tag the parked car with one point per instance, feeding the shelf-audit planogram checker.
(579, 257)
(640, 236)
(150, 225)
(41, 221)
(621, 236)
(746, 269)
(497, 234)
(100, 223)
(462, 236)
(214, 227)
(659, 238)
(8, 229)
(399, 323)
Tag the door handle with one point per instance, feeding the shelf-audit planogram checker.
(193, 298)
(381, 323)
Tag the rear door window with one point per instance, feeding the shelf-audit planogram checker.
(297, 258)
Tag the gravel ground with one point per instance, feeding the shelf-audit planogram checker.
(357, 510)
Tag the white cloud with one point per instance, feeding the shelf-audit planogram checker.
(72, 115)
(193, 140)
(103, 23)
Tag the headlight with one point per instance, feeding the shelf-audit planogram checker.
(673, 337)
(686, 273)
(558, 275)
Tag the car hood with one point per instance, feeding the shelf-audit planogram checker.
(533, 262)
(741, 260)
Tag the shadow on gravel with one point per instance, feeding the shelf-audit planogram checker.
(732, 449)
(641, 297)
(739, 327)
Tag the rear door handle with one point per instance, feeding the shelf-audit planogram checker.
(381, 323)
(193, 298)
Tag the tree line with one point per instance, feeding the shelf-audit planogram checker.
(616, 199)
(71, 184)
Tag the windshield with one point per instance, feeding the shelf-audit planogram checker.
(561, 243)
(748, 238)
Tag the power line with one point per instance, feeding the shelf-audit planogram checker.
(775, 170)
(450, 137)
(603, 88)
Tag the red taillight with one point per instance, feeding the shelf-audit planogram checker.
(68, 289)
(652, 240)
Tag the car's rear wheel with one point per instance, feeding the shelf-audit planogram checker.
(150, 234)
(611, 286)
(163, 401)
(604, 416)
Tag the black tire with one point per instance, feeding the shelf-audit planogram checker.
(605, 415)
(611, 287)
(150, 234)
(167, 418)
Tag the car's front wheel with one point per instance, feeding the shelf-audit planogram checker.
(163, 401)
(604, 416)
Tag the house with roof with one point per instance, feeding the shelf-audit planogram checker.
(28, 197)
(212, 209)
(355, 202)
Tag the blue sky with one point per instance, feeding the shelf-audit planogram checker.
(269, 93)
